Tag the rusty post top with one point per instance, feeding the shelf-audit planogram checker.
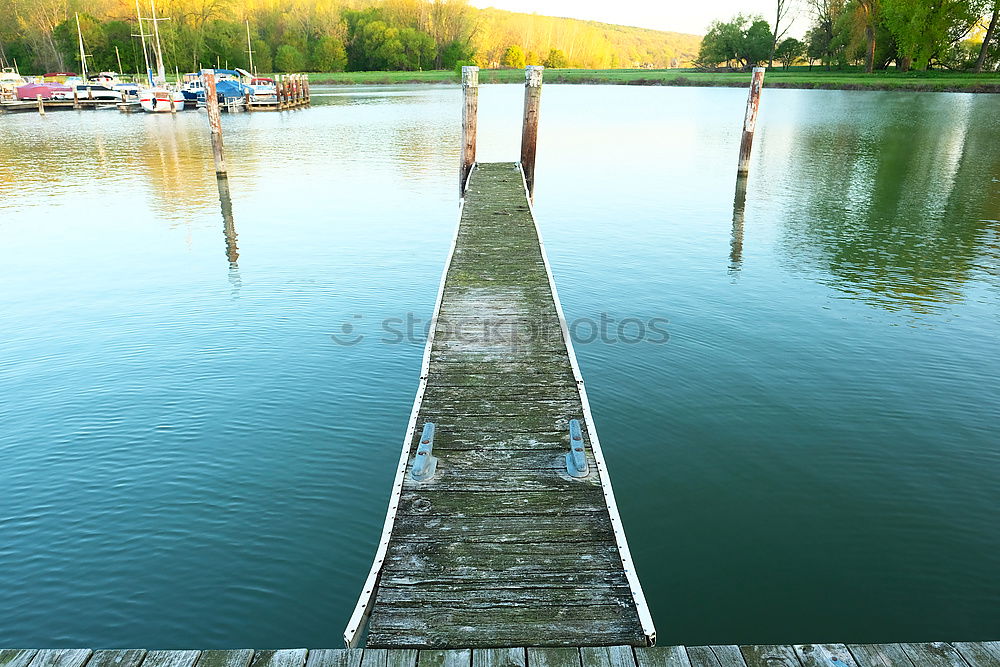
(533, 75)
(470, 75)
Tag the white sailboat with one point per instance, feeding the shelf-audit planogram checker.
(157, 97)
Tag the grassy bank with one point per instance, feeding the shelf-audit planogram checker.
(794, 77)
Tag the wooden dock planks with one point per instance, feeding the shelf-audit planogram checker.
(960, 654)
(501, 547)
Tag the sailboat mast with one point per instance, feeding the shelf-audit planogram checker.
(118, 57)
(142, 38)
(160, 70)
(83, 56)
(250, 49)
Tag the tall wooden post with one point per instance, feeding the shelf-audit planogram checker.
(470, 108)
(76, 98)
(750, 120)
(41, 105)
(214, 121)
(529, 130)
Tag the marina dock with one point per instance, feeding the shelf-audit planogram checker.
(502, 545)
(933, 654)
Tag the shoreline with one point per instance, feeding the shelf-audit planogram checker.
(921, 83)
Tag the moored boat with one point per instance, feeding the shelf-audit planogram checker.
(46, 91)
(161, 99)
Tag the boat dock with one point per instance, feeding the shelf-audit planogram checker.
(933, 654)
(510, 536)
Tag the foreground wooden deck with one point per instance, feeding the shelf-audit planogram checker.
(501, 547)
(935, 654)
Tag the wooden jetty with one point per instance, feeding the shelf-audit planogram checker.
(933, 654)
(502, 545)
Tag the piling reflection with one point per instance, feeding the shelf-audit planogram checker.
(736, 239)
(229, 231)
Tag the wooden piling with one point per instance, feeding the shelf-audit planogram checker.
(470, 107)
(214, 121)
(41, 105)
(529, 130)
(76, 98)
(750, 120)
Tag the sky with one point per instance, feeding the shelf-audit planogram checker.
(674, 15)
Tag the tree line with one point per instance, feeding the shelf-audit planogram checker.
(321, 36)
(910, 34)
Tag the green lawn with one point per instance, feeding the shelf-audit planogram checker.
(795, 77)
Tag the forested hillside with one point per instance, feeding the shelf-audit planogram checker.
(322, 35)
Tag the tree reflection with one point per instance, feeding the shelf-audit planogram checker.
(898, 209)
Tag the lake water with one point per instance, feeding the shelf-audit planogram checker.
(190, 459)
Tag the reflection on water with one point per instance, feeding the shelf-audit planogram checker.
(176, 416)
(736, 242)
(229, 231)
(897, 205)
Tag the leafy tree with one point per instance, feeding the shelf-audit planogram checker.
(745, 41)
(454, 52)
(922, 30)
(513, 57)
(988, 37)
(556, 59)
(289, 59)
(789, 51)
(328, 55)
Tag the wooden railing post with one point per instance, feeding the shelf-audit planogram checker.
(750, 120)
(470, 107)
(214, 121)
(529, 130)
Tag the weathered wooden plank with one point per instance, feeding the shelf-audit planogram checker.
(451, 658)
(292, 657)
(554, 657)
(454, 395)
(171, 658)
(227, 658)
(504, 529)
(451, 475)
(607, 656)
(980, 654)
(498, 657)
(334, 657)
(416, 593)
(702, 656)
(553, 626)
(934, 654)
(401, 657)
(14, 657)
(582, 499)
(662, 656)
(728, 655)
(489, 438)
(824, 655)
(117, 658)
(61, 657)
(767, 655)
(879, 655)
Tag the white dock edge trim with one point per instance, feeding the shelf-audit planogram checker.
(362, 610)
(645, 619)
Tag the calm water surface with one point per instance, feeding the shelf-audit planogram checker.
(190, 459)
